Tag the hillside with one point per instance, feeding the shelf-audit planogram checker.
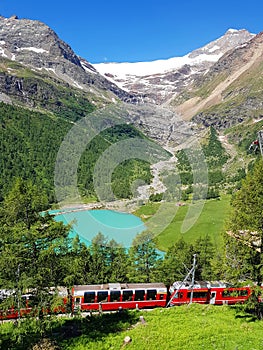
(230, 92)
(30, 143)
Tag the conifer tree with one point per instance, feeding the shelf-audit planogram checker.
(244, 238)
(177, 262)
(30, 245)
(143, 258)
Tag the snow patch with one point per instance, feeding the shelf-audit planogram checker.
(77, 85)
(87, 68)
(34, 49)
(214, 48)
(231, 30)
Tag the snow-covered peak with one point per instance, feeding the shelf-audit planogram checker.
(158, 80)
(125, 69)
(232, 30)
(208, 53)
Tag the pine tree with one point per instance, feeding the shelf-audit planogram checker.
(31, 245)
(205, 251)
(99, 255)
(177, 262)
(244, 239)
(143, 258)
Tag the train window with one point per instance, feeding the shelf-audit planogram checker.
(127, 295)
(89, 297)
(197, 295)
(151, 294)
(115, 295)
(235, 293)
(243, 293)
(226, 293)
(178, 296)
(102, 296)
(32, 301)
(162, 296)
(139, 295)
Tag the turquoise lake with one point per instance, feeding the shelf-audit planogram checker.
(122, 227)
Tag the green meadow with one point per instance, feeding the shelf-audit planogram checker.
(188, 327)
(210, 222)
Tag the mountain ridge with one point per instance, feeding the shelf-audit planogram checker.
(37, 46)
(168, 77)
(230, 91)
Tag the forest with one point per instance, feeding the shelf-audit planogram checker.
(29, 143)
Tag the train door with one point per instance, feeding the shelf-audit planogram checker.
(77, 304)
(212, 298)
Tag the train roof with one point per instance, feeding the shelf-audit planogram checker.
(201, 285)
(117, 286)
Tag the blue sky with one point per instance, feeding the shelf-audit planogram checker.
(130, 31)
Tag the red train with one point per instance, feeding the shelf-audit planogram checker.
(27, 303)
(217, 293)
(115, 296)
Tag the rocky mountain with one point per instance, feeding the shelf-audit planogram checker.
(39, 70)
(160, 80)
(45, 88)
(231, 90)
(37, 47)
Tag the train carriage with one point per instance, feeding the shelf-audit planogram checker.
(113, 296)
(217, 293)
(27, 303)
(232, 295)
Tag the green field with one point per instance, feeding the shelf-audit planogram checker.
(192, 327)
(210, 222)
(187, 328)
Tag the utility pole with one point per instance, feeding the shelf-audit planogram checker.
(193, 279)
(260, 141)
(18, 291)
(190, 273)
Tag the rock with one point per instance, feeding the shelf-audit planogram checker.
(127, 340)
(142, 320)
(46, 344)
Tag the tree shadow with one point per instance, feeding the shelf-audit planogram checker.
(95, 327)
(62, 331)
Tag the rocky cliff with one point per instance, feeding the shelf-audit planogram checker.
(230, 91)
(36, 46)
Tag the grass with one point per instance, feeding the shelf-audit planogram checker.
(192, 327)
(195, 327)
(210, 222)
(188, 327)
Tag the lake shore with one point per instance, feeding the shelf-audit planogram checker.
(126, 206)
